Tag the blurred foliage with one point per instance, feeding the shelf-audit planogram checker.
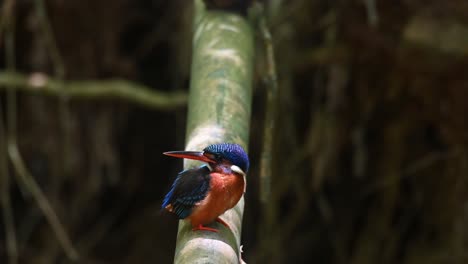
(370, 146)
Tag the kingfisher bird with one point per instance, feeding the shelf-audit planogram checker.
(202, 194)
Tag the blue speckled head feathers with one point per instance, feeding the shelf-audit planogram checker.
(231, 152)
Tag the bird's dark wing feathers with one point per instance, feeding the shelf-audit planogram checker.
(190, 187)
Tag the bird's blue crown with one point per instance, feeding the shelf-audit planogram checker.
(231, 152)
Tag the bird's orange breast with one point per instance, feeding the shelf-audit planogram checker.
(225, 192)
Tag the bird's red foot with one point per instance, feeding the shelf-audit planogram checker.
(201, 227)
(221, 221)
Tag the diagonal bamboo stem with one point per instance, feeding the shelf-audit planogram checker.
(93, 90)
(219, 111)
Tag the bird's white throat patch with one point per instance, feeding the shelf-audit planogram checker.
(234, 168)
(238, 170)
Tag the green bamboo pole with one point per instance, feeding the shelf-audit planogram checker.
(219, 111)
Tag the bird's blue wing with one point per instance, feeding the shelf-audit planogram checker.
(190, 187)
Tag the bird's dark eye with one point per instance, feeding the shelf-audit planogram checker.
(213, 156)
(217, 157)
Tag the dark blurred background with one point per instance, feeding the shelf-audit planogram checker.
(370, 148)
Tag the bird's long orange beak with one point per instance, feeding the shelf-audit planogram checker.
(194, 155)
